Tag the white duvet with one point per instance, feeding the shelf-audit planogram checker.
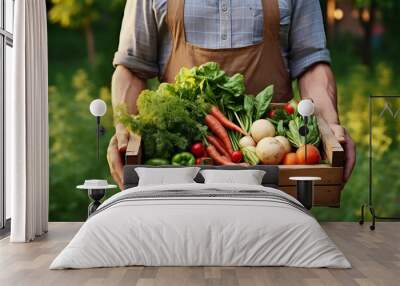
(203, 231)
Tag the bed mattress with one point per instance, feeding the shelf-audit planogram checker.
(201, 225)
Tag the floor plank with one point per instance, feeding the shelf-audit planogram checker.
(375, 257)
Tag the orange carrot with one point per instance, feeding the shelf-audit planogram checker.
(225, 121)
(217, 158)
(218, 145)
(219, 130)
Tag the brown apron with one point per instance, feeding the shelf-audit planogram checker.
(261, 64)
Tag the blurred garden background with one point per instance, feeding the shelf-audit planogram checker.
(364, 40)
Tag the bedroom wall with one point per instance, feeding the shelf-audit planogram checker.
(80, 70)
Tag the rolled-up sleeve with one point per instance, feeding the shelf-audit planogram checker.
(137, 49)
(307, 39)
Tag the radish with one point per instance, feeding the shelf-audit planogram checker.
(237, 157)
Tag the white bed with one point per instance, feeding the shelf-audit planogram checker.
(269, 228)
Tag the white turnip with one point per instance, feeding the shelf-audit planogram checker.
(270, 151)
(246, 141)
(262, 128)
(285, 143)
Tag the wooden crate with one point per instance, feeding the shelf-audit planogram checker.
(327, 191)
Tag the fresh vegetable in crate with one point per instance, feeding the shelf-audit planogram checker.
(294, 136)
(167, 123)
(311, 156)
(204, 104)
(198, 150)
(183, 159)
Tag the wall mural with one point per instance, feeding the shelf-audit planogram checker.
(206, 117)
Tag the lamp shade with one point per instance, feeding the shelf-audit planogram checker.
(98, 108)
(306, 107)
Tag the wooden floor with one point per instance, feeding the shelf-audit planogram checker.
(375, 257)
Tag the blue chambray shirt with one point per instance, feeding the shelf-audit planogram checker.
(145, 42)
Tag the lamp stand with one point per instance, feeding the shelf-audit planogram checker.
(98, 137)
(303, 130)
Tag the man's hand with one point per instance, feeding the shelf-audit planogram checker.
(318, 83)
(349, 148)
(116, 152)
(125, 89)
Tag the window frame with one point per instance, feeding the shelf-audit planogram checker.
(6, 39)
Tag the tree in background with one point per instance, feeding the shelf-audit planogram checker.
(367, 11)
(77, 14)
(81, 14)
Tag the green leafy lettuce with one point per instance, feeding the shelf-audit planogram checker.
(166, 122)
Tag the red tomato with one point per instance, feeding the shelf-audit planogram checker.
(289, 108)
(290, 159)
(198, 150)
(313, 155)
(237, 157)
(272, 113)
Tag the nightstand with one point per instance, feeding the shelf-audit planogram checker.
(305, 190)
(96, 191)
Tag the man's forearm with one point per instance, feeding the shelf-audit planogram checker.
(318, 83)
(126, 87)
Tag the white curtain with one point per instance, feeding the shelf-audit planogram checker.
(27, 124)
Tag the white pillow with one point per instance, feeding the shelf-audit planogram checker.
(166, 176)
(247, 177)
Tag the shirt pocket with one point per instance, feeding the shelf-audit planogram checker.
(247, 23)
(258, 23)
(212, 3)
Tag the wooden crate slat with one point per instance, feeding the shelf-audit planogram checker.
(134, 151)
(333, 150)
(326, 196)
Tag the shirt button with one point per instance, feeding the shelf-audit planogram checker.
(223, 37)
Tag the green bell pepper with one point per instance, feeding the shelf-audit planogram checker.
(183, 159)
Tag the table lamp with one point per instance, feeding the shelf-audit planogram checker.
(305, 185)
(96, 188)
(98, 108)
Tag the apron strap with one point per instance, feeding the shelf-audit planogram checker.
(175, 20)
(271, 21)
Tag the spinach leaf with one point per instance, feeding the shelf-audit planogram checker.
(209, 71)
(249, 105)
(262, 101)
(234, 85)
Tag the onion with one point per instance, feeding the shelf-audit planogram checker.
(262, 128)
(285, 143)
(246, 141)
(270, 151)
